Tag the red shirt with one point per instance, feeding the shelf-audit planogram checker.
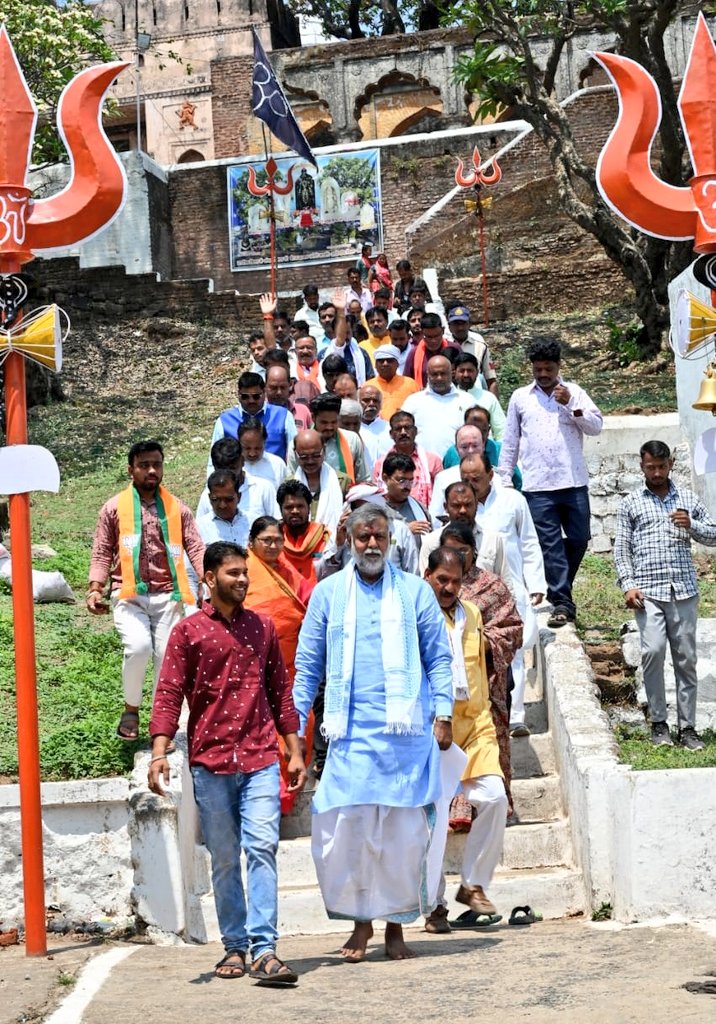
(234, 679)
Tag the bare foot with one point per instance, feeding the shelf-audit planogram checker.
(395, 948)
(353, 949)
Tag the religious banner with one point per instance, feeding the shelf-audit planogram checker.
(327, 215)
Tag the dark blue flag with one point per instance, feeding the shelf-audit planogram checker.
(269, 104)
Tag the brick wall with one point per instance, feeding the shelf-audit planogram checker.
(160, 226)
(109, 294)
(538, 260)
(231, 104)
(414, 176)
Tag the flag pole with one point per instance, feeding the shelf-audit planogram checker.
(272, 215)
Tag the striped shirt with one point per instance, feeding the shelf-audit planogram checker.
(652, 554)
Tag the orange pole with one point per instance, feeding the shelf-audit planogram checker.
(28, 736)
(272, 235)
(483, 260)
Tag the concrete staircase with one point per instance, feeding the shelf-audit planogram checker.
(536, 868)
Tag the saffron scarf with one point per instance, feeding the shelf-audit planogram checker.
(420, 360)
(303, 551)
(345, 456)
(399, 652)
(129, 510)
(274, 593)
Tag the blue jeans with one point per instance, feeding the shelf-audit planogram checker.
(242, 812)
(553, 512)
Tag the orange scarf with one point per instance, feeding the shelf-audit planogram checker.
(345, 457)
(303, 551)
(310, 372)
(129, 511)
(419, 361)
(275, 595)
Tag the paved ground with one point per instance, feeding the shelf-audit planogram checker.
(551, 973)
(28, 985)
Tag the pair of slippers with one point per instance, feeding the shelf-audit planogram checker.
(471, 919)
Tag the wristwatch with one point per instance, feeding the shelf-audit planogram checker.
(444, 718)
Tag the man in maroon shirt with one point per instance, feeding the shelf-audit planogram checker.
(226, 662)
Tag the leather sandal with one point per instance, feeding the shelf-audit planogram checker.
(231, 969)
(269, 970)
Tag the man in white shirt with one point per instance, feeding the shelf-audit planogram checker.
(374, 430)
(309, 313)
(546, 425)
(461, 507)
(256, 497)
(440, 409)
(465, 373)
(399, 332)
(257, 461)
(458, 318)
(505, 510)
(355, 290)
(226, 521)
(468, 441)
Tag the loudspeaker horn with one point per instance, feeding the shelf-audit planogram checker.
(694, 324)
(38, 337)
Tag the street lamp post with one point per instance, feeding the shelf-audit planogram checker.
(143, 41)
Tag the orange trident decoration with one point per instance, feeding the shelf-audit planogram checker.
(90, 201)
(624, 173)
(477, 179)
(270, 189)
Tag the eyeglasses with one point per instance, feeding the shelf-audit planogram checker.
(402, 481)
(270, 542)
(308, 456)
(251, 396)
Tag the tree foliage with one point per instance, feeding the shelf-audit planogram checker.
(503, 72)
(356, 19)
(52, 44)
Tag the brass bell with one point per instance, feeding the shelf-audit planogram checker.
(707, 392)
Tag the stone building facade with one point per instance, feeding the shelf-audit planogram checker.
(172, 75)
(194, 77)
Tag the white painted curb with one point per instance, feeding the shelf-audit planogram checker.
(90, 981)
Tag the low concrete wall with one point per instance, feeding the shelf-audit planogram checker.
(88, 858)
(112, 854)
(613, 463)
(662, 844)
(643, 840)
(127, 241)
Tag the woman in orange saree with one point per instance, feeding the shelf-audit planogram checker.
(278, 591)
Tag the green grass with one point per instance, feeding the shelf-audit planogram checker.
(79, 657)
(600, 603)
(637, 750)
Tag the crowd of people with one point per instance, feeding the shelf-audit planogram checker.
(362, 572)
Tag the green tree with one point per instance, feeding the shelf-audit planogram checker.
(52, 44)
(356, 19)
(504, 72)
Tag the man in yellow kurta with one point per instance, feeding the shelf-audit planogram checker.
(473, 730)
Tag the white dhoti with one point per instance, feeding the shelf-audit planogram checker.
(371, 861)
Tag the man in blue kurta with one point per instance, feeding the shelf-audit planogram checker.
(379, 638)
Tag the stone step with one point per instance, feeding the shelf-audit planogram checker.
(532, 756)
(536, 716)
(546, 844)
(538, 799)
(554, 892)
(535, 799)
